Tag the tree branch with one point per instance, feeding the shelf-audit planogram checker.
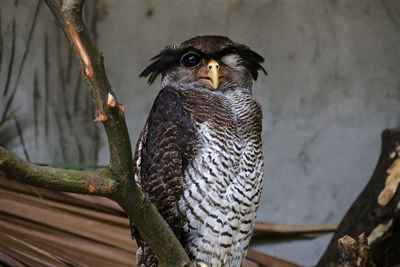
(69, 15)
(84, 182)
(153, 229)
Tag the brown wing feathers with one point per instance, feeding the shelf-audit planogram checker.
(166, 150)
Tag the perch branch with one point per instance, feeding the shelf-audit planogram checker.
(126, 193)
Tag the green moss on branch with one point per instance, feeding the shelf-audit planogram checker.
(85, 182)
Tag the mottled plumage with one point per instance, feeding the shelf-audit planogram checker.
(199, 157)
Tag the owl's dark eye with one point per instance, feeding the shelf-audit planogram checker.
(190, 60)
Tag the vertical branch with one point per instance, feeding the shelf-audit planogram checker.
(148, 221)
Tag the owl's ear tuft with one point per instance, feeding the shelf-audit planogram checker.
(251, 60)
(163, 61)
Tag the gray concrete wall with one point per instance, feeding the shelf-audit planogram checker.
(333, 86)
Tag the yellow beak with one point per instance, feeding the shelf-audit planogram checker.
(213, 73)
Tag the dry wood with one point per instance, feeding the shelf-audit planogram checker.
(362, 250)
(77, 231)
(348, 252)
(369, 214)
(43, 225)
(268, 261)
(292, 229)
(247, 263)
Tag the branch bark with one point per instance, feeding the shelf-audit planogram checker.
(84, 182)
(116, 181)
(348, 252)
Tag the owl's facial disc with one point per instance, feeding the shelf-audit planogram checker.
(213, 76)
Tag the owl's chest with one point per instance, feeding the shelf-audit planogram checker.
(222, 185)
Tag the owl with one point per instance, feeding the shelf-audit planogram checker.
(199, 157)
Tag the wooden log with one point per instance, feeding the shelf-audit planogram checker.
(376, 211)
(43, 227)
(348, 252)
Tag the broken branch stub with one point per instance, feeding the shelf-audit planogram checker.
(348, 252)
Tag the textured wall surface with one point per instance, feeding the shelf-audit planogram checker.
(333, 86)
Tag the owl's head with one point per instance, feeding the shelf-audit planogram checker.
(211, 62)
